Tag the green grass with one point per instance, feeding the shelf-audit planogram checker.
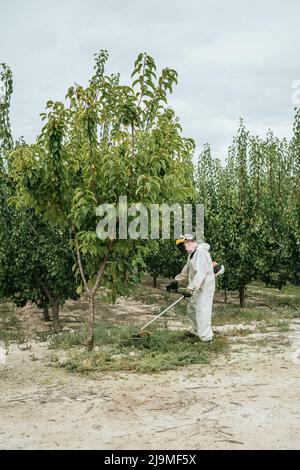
(117, 351)
(11, 336)
(275, 308)
(103, 334)
(280, 325)
(10, 326)
(232, 314)
(270, 342)
(288, 296)
(239, 332)
(151, 295)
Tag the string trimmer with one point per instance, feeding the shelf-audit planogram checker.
(142, 333)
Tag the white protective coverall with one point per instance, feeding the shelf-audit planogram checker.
(199, 274)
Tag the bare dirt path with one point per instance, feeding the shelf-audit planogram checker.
(248, 400)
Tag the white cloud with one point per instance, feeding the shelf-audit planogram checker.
(234, 59)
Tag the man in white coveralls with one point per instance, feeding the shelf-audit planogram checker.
(199, 273)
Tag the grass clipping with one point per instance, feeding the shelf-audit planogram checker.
(115, 350)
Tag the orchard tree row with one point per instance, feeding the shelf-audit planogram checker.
(35, 259)
(109, 140)
(252, 208)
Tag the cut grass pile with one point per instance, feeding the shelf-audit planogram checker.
(115, 350)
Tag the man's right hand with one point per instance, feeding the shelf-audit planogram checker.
(173, 286)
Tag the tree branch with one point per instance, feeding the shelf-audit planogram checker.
(100, 274)
(143, 75)
(101, 270)
(133, 137)
(80, 267)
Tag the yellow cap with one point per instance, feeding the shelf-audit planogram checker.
(185, 238)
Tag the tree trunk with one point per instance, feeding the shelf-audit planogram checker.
(225, 296)
(90, 337)
(46, 316)
(154, 281)
(91, 293)
(133, 137)
(55, 316)
(242, 296)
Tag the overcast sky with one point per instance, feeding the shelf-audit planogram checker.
(234, 58)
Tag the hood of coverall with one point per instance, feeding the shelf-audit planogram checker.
(204, 246)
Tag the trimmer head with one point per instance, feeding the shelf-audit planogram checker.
(141, 334)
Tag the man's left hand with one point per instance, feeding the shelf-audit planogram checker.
(185, 292)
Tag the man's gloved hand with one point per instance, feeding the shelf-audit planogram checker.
(185, 292)
(218, 269)
(173, 286)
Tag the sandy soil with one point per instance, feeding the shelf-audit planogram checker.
(248, 400)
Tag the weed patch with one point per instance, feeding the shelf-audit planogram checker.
(116, 350)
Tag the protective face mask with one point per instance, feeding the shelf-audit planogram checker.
(181, 248)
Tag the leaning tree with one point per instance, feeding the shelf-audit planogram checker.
(108, 140)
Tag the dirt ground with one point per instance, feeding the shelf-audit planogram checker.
(246, 400)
